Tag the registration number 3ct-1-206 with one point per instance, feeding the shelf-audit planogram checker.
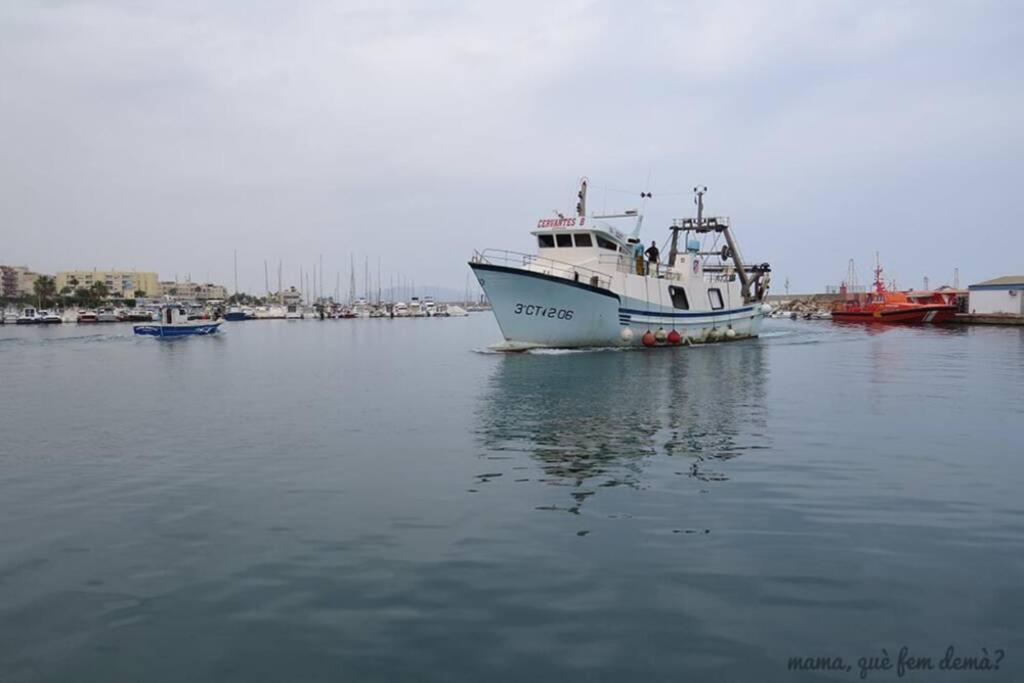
(542, 311)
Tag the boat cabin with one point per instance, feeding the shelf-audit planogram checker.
(173, 315)
(578, 240)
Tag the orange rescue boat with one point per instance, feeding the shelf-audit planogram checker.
(883, 306)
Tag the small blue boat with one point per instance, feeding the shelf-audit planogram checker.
(174, 322)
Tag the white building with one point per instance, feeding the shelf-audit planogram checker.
(1000, 296)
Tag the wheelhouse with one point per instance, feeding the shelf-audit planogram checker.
(577, 246)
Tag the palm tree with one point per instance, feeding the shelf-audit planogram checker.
(85, 297)
(45, 288)
(100, 291)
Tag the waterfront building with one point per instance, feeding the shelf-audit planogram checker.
(1003, 295)
(120, 283)
(192, 291)
(17, 282)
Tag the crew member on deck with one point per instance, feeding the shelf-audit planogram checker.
(652, 258)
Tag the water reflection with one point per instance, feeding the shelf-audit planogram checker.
(595, 419)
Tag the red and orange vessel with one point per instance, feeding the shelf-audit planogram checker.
(883, 306)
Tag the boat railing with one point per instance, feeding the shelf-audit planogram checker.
(539, 264)
(622, 263)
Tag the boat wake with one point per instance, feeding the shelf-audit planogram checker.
(537, 350)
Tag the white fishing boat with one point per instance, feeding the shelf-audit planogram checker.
(293, 312)
(589, 285)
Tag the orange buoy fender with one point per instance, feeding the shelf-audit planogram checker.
(675, 338)
(648, 338)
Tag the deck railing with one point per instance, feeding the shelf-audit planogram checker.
(538, 264)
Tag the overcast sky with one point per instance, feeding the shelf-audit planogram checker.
(163, 135)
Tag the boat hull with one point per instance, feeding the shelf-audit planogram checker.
(540, 310)
(177, 330)
(907, 316)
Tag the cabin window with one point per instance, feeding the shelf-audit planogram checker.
(583, 239)
(564, 240)
(679, 299)
(606, 243)
(715, 297)
(546, 241)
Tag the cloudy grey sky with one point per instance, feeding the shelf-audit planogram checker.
(163, 135)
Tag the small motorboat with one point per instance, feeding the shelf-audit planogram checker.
(140, 315)
(884, 306)
(49, 318)
(108, 315)
(174, 322)
(87, 317)
(29, 316)
(236, 314)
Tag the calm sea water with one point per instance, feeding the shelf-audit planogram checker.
(387, 501)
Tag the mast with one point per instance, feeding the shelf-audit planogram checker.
(581, 205)
(352, 279)
(676, 227)
(236, 274)
(702, 225)
(266, 278)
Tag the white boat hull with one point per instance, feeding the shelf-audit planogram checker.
(535, 309)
